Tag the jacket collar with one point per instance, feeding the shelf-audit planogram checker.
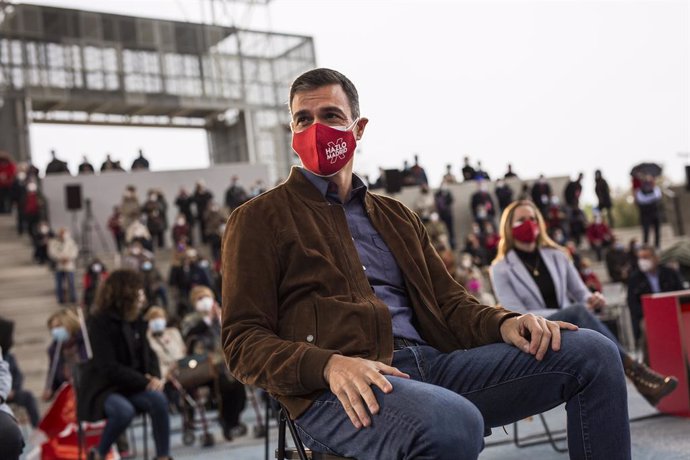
(298, 184)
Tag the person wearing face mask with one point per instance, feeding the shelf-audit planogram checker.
(504, 194)
(129, 207)
(201, 331)
(17, 193)
(482, 205)
(599, 236)
(33, 206)
(95, 273)
(8, 171)
(337, 303)
(40, 241)
(11, 440)
(648, 277)
(64, 252)
(165, 341)
(66, 349)
(129, 378)
(532, 273)
(155, 218)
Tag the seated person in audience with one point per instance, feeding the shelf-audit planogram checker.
(335, 301)
(617, 262)
(11, 440)
(129, 378)
(202, 335)
(136, 255)
(66, 349)
(17, 394)
(168, 345)
(533, 274)
(599, 235)
(590, 278)
(648, 277)
(137, 231)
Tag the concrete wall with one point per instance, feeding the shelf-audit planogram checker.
(462, 194)
(105, 191)
(678, 210)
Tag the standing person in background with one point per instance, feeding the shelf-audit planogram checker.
(601, 188)
(468, 171)
(8, 171)
(183, 202)
(418, 172)
(129, 207)
(11, 439)
(235, 195)
(482, 205)
(110, 165)
(449, 178)
(531, 273)
(181, 232)
(201, 198)
(424, 203)
(155, 218)
(17, 196)
(599, 236)
(129, 379)
(215, 225)
(95, 273)
(541, 194)
(480, 174)
(648, 277)
(64, 252)
(504, 194)
(40, 241)
(509, 174)
(648, 200)
(140, 163)
(116, 226)
(33, 206)
(443, 199)
(85, 167)
(56, 166)
(572, 192)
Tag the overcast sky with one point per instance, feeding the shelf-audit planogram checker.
(550, 86)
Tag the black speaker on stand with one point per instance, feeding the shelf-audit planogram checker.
(687, 177)
(73, 203)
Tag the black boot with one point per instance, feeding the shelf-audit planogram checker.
(650, 384)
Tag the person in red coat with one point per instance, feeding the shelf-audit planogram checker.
(599, 235)
(8, 171)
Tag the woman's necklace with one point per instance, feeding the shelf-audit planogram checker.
(535, 269)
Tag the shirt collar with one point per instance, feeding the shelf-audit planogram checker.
(329, 189)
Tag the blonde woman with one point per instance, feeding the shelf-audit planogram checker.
(66, 349)
(532, 274)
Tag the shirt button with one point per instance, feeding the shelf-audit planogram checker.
(310, 338)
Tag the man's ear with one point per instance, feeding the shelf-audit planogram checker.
(359, 129)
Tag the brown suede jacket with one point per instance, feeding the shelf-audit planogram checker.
(295, 293)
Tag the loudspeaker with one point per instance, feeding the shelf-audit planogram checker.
(687, 177)
(393, 180)
(73, 197)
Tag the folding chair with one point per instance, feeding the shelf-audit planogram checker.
(548, 434)
(299, 452)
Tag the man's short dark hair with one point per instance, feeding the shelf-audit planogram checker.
(318, 78)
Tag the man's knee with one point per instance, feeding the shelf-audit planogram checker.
(593, 354)
(455, 431)
(11, 441)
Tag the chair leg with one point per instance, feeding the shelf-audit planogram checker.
(146, 437)
(281, 436)
(552, 440)
(295, 438)
(267, 444)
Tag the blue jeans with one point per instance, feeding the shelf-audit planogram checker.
(450, 401)
(60, 277)
(119, 412)
(580, 316)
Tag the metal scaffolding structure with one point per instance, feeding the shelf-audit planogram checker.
(61, 65)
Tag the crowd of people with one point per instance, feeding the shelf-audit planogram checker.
(142, 325)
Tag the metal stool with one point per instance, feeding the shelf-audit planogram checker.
(299, 452)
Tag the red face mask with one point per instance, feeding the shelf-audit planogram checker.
(526, 232)
(324, 150)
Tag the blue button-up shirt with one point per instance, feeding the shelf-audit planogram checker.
(378, 262)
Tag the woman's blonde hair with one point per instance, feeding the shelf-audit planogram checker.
(507, 242)
(67, 318)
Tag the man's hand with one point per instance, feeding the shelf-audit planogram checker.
(596, 301)
(350, 379)
(533, 334)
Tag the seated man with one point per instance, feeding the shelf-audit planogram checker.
(335, 301)
(648, 277)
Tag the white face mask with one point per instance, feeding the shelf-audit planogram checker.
(645, 265)
(31, 187)
(157, 324)
(204, 305)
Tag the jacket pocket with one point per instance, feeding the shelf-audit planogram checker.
(345, 326)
